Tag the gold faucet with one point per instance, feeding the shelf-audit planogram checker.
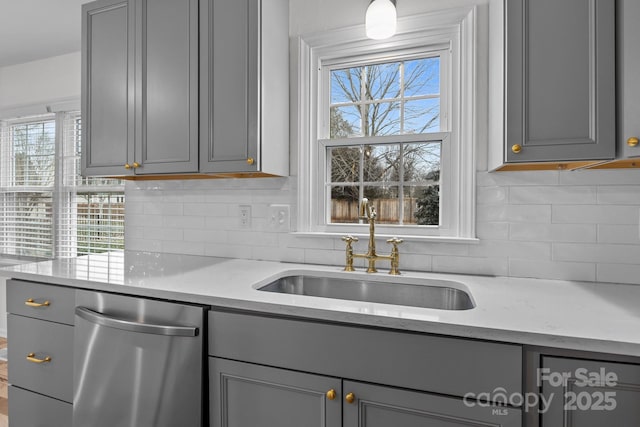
(368, 212)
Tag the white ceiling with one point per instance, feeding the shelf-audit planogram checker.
(37, 29)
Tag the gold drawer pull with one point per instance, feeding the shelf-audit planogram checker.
(250, 161)
(136, 165)
(350, 397)
(32, 303)
(633, 141)
(31, 357)
(516, 148)
(331, 394)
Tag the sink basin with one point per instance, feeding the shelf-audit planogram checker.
(432, 294)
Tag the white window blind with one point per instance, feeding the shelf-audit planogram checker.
(48, 209)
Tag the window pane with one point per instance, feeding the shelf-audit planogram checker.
(382, 119)
(345, 122)
(100, 222)
(382, 81)
(345, 163)
(423, 204)
(386, 202)
(422, 162)
(34, 153)
(27, 226)
(422, 77)
(381, 163)
(422, 116)
(346, 85)
(344, 204)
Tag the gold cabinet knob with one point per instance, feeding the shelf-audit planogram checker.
(331, 394)
(250, 161)
(127, 166)
(31, 303)
(350, 397)
(136, 165)
(31, 357)
(633, 141)
(516, 148)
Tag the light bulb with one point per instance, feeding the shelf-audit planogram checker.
(380, 20)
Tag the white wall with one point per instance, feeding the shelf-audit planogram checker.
(39, 83)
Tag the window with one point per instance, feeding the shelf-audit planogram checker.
(393, 122)
(400, 175)
(46, 208)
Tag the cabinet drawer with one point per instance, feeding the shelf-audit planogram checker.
(27, 409)
(58, 303)
(53, 378)
(416, 361)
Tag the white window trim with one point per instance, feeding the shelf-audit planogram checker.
(458, 26)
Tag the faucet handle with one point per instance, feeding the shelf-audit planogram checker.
(349, 239)
(395, 241)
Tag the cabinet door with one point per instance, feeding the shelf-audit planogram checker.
(107, 87)
(229, 86)
(29, 409)
(576, 403)
(377, 406)
(167, 86)
(628, 82)
(243, 394)
(560, 80)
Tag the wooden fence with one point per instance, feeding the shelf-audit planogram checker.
(388, 210)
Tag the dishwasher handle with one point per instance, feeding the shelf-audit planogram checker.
(127, 325)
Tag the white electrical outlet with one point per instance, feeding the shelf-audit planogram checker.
(245, 216)
(278, 217)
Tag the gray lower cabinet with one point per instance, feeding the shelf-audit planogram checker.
(589, 393)
(273, 368)
(244, 86)
(244, 394)
(560, 80)
(40, 330)
(140, 87)
(378, 406)
(28, 409)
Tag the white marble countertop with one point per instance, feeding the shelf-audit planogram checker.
(598, 317)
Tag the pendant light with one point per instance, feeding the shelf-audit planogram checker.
(380, 20)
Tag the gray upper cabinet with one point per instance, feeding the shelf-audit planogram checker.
(166, 86)
(107, 87)
(558, 67)
(244, 87)
(628, 82)
(140, 111)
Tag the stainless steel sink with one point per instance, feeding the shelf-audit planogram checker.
(436, 294)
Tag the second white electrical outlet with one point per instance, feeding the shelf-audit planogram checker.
(245, 216)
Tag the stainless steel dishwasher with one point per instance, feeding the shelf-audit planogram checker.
(137, 362)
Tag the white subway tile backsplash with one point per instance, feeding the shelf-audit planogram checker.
(623, 234)
(471, 265)
(552, 269)
(565, 195)
(550, 224)
(595, 214)
(619, 273)
(619, 195)
(597, 253)
(570, 233)
(514, 213)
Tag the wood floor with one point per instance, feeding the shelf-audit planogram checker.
(4, 418)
